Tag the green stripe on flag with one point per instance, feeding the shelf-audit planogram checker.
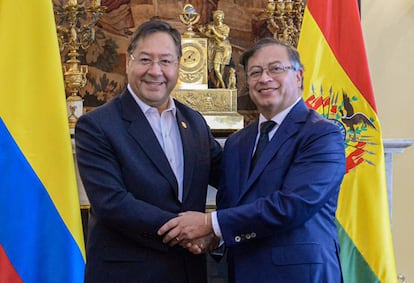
(354, 267)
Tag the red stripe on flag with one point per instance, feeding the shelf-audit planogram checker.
(7, 272)
(344, 36)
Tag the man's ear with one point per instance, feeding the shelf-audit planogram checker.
(299, 78)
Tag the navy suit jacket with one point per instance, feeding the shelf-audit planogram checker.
(279, 221)
(133, 192)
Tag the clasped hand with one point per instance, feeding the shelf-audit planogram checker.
(191, 230)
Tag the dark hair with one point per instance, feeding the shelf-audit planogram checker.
(154, 26)
(293, 54)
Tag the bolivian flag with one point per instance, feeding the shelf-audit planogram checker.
(41, 236)
(337, 84)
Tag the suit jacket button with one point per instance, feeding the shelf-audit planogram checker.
(248, 236)
(237, 239)
(253, 235)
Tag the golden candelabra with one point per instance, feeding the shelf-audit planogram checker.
(75, 30)
(284, 19)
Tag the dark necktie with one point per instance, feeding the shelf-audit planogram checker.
(265, 128)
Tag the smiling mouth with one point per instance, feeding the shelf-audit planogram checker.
(266, 90)
(154, 83)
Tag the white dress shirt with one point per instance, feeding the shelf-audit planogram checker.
(166, 130)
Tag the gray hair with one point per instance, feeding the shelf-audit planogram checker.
(154, 26)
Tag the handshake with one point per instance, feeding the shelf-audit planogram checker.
(192, 230)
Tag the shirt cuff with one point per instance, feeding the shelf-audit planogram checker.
(215, 224)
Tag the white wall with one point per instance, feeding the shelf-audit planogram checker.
(389, 37)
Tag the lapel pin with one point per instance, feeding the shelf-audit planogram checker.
(184, 125)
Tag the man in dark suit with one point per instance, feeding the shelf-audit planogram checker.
(277, 217)
(143, 158)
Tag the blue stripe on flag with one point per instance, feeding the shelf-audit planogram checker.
(33, 234)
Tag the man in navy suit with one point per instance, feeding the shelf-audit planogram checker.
(276, 218)
(144, 158)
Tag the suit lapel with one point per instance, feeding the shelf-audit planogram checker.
(291, 125)
(141, 131)
(188, 143)
(246, 152)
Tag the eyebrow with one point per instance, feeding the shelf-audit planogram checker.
(261, 66)
(165, 55)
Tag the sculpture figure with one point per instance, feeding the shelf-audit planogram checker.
(219, 47)
(232, 79)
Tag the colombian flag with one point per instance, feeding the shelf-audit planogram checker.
(41, 236)
(337, 84)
